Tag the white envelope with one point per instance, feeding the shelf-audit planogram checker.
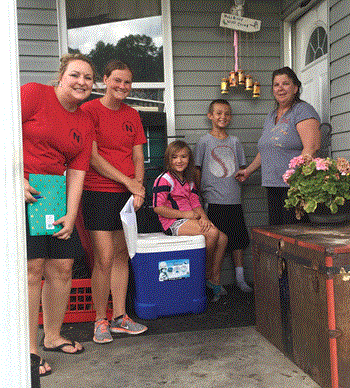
(129, 222)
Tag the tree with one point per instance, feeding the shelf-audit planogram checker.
(138, 51)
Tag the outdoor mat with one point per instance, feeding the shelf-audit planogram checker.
(233, 310)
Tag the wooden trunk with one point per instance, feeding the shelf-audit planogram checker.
(302, 295)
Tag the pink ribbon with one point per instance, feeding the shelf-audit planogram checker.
(235, 46)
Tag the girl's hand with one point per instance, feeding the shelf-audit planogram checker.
(68, 225)
(138, 201)
(29, 191)
(205, 224)
(136, 188)
(189, 214)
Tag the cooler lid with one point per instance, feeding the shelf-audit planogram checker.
(160, 242)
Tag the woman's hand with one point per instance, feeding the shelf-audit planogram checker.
(29, 191)
(242, 175)
(67, 223)
(136, 188)
(75, 181)
(138, 201)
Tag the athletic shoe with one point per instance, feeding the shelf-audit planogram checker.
(221, 292)
(126, 325)
(102, 334)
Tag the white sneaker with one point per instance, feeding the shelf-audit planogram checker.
(244, 286)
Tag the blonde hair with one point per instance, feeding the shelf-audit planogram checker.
(66, 59)
(175, 147)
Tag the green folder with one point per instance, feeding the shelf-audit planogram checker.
(49, 208)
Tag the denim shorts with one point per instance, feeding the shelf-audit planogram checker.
(173, 229)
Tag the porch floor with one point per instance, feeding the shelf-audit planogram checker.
(218, 349)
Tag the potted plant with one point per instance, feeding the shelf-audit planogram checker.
(316, 183)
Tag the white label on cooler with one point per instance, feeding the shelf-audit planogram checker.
(173, 269)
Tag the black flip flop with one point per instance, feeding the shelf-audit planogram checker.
(47, 372)
(60, 348)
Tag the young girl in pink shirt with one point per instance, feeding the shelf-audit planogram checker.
(176, 201)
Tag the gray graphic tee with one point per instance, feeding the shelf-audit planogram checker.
(219, 160)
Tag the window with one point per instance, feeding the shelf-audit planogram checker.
(132, 31)
(317, 46)
(138, 42)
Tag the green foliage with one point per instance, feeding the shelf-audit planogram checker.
(317, 181)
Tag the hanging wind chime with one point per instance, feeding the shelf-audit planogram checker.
(237, 23)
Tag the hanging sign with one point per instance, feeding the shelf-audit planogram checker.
(239, 23)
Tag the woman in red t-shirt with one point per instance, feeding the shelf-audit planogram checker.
(116, 170)
(57, 140)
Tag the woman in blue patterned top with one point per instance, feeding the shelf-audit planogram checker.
(290, 130)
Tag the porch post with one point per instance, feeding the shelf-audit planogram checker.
(14, 342)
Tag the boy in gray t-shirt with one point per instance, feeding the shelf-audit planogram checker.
(218, 157)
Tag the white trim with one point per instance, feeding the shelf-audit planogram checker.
(168, 68)
(148, 85)
(139, 85)
(14, 343)
(62, 27)
(287, 41)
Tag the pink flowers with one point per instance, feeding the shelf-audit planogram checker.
(297, 161)
(343, 166)
(306, 164)
(288, 174)
(322, 164)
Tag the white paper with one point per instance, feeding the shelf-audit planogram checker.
(129, 222)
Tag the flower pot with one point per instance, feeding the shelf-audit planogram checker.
(323, 215)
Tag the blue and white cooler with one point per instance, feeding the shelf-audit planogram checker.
(169, 275)
(169, 272)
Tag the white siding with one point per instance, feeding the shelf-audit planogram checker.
(339, 14)
(37, 40)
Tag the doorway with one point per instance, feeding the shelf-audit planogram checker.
(310, 58)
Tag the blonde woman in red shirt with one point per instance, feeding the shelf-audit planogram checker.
(57, 140)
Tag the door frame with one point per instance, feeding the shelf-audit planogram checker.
(287, 31)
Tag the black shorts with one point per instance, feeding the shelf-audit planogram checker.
(101, 210)
(53, 247)
(230, 220)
